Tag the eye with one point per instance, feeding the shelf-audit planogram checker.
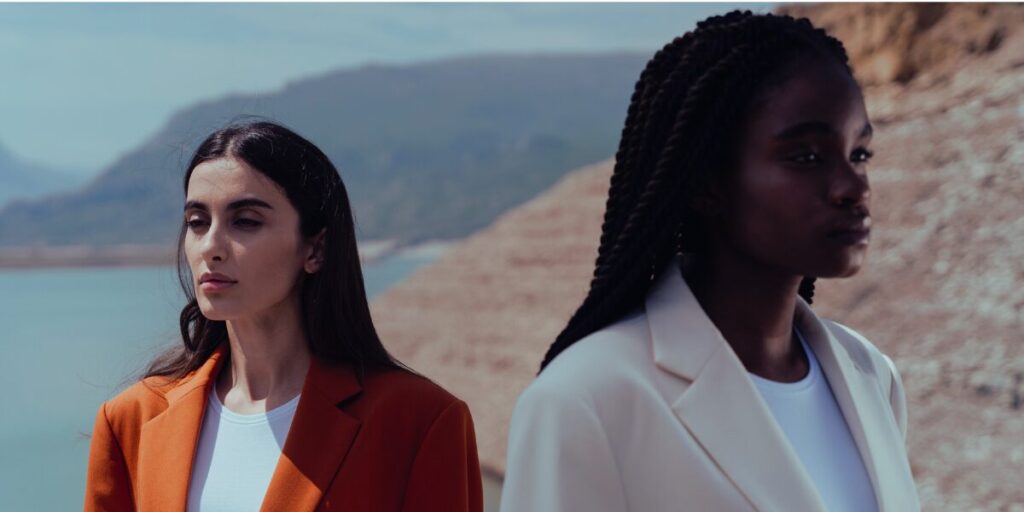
(862, 155)
(195, 223)
(248, 223)
(806, 157)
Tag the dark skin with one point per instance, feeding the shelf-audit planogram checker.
(797, 205)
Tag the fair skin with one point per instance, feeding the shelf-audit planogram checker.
(242, 226)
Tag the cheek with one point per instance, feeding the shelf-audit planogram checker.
(770, 206)
(270, 264)
(190, 247)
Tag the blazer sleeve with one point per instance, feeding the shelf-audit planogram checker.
(559, 457)
(445, 474)
(107, 485)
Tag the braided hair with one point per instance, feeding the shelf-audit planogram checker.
(681, 127)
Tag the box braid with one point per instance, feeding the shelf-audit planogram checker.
(681, 127)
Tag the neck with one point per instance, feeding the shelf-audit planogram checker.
(753, 307)
(268, 361)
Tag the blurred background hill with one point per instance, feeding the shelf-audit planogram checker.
(433, 150)
(26, 180)
(941, 292)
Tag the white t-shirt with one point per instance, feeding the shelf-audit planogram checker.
(236, 456)
(813, 422)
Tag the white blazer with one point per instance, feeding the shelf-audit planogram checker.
(656, 413)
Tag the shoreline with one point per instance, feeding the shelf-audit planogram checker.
(138, 255)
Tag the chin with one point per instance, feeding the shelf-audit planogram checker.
(217, 312)
(841, 268)
(848, 272)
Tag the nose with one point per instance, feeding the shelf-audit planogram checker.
(849, 188)
(213, 244)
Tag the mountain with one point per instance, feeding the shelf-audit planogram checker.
(940, 292)
(24, 180)
(433, 150)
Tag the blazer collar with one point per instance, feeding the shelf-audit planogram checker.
(723, 410)
(320, 437)
(854, 381)
(304, 471)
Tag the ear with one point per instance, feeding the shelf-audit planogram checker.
(315, 254)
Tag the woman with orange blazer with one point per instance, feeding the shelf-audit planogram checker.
(282, 397)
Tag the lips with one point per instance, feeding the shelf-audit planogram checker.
(852, 233)
(214, 281)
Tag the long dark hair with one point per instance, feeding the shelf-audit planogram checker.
(681, 131)
(335, 314)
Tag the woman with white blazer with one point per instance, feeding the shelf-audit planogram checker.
(695, 376)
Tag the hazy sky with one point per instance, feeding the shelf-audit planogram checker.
(83, 83)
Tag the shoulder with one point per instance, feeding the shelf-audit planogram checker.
(400, 412)
(575, 418)
(870, 359)
(601, 367)
(861, 350)
(123, 416)
(403, 392)
(139, 402)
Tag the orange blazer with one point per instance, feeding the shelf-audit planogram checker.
(391, 441)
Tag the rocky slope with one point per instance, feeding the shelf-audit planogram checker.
(941, 292)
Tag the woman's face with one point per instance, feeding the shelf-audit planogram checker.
(799, 200)
(242, 241)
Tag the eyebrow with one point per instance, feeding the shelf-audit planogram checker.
(816, 127)
(234, 205)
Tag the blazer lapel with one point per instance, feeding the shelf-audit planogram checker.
(720, 407)
(168, 441)
(320, 436)
(864, 408)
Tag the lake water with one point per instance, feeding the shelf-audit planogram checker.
(72, 338)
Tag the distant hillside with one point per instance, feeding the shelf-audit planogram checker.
(434, 150)
(941, 292)
(24, 180)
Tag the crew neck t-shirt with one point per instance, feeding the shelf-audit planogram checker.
(811, 418)
(236, 456)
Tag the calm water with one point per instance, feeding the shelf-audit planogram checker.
(72, 338)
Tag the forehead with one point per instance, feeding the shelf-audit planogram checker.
(225, 179)
(815, 90)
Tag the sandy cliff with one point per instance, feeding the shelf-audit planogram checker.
(942, 292)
